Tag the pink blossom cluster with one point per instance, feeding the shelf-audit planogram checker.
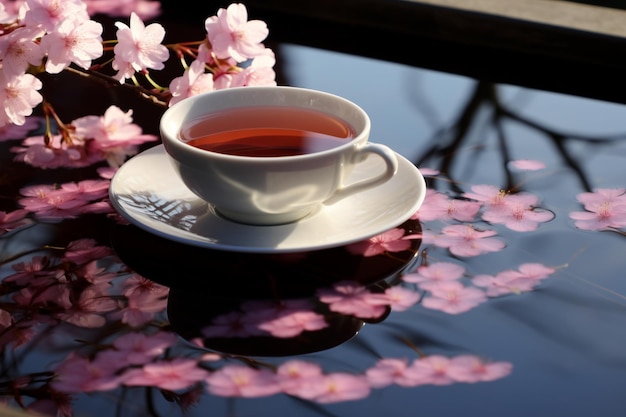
(66, 201)
(75, 288)
(307, 380)
(445, 290)
(82, 285)
(518, 212)
(605, 209)
(111, 137)
(53, 36)
(231, 40)
(464, 238)
(85, 285)
(295, 377)
(355, 299)
(282, 319)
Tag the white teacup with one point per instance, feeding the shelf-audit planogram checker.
(268, 190)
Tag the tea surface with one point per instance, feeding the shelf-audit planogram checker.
(267, 132)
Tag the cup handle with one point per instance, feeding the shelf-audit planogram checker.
(391, 167)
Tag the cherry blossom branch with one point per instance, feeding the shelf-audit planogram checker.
(157, 98)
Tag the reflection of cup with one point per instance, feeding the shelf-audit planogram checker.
(246, 150)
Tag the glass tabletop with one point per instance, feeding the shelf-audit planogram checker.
(503, 295)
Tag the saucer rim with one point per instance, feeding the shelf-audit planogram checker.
(140, 220)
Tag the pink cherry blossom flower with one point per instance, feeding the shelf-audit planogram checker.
(471, 369)
(37, 267)
(505, 282)
(242, 381)
(349, 297)
(284, 319)
(294, 376)
(602, 196)
(50, 203)
(389, 371)
(49, 14)
(88, 310)
(13, 220)
(95, 274)
(136, 285)
(535, 270)
(113, 135)
(232, 35)
(172, 375)
(335, 387)
(293, 323)
(517, 213)
(400, 298)
(429, 370)
(452, 297)
(438, 206)
(259, 72)
(527, 164)
(87, 190)
(56, 154)
(139, 47)
(76, 40)
(526, 278)
(64, 202)
(8, 13)
(488, 194)
(464, 240)
(606, 208)
(77, 374)
(195, 80)
(18, 49)
(389, 241)
(438, 271)
(19, 96)
(140, 309)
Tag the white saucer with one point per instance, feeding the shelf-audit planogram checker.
(147, 192)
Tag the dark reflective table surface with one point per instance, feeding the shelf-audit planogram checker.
(504, 295)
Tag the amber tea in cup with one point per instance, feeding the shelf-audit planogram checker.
(267, 131)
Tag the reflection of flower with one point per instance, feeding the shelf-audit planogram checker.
(284, 319)
(352, 298)
(392, 240)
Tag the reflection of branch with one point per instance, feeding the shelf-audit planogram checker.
(485, 94)
(460, 129)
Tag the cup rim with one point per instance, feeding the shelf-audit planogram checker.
(174, 145)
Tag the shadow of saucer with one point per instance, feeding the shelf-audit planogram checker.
(224, 273)
(209, 285)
